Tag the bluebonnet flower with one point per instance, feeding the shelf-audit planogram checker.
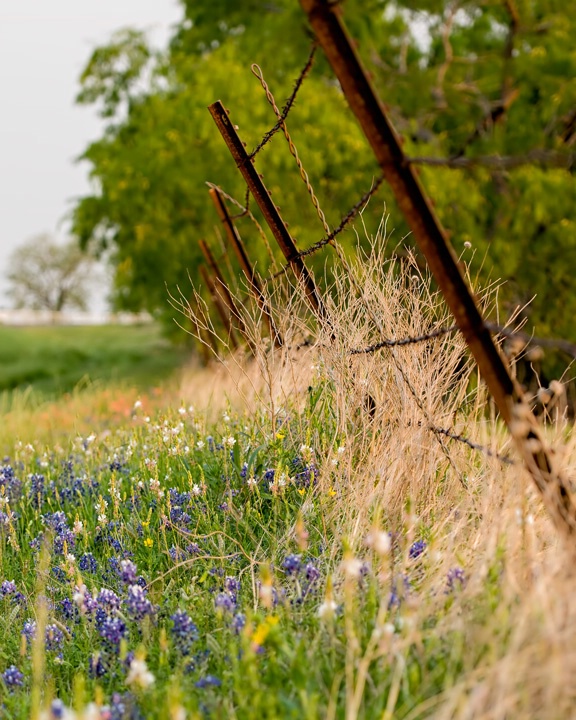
(128, 572)
(12, 677)
(87, 563)
(69, 610)
(57, 709)
(311, 572)
(108, 601)
(269, 475)
(137, 604)
(208, 681)
(58, 573)
(224, 601)
(64, 539)
(292, 564)
(97, 666)
(29, 630)
(231, 585)
(12, 485)
(417, 548)
(244, 471)
(54, 638)
(36, 542)
(178, 499)
(238, 623)
(112, 630)
(57, 521)
(8, 587)
(455, 579)
(184, 631)
(37, 490)
(398, 591)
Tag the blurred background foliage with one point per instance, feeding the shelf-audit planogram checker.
(482, 91)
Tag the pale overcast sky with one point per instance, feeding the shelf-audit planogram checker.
(44, 45)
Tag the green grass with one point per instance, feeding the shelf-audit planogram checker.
(53, 360)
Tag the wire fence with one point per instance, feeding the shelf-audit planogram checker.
(295, 258)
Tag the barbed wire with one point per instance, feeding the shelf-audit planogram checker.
(289, 103)
(471, 444)
(328, 240)
(402, 342)
(257, 71)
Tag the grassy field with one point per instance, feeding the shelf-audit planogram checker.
(52, 360)
(262, 542)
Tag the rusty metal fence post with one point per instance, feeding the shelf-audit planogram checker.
(269, 210)
(324, 16)
(238, 247)
(223, 311)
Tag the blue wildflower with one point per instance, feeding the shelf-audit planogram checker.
(417, 548)
(12, 677)
(184, 631)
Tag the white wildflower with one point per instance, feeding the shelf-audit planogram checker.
(352, 567)
(327, 609)
(139, 675)
(379, 541)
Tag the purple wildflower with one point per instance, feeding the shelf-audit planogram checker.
(12, 677)
(108, 601)
(417, 548)
(137, 603)
(128, 572)
(87, 563)
(224, 601)
(184, 631)
(455, 579)
(54, 638)
(29, 630)
(292, 564)
(112, 630)
(208, 681)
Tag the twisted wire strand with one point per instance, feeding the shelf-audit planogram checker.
(328, 240)
(257, 71)
(473, 445)
(289, 103)
(402, 342)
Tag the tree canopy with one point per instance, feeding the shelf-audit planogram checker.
(481, 90)
(46, 275)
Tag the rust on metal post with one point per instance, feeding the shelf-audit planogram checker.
(269, 210)
(220, 306)
(332, 36)
(223, 291)
(238, 247)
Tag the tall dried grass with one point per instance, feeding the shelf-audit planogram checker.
(513, 624)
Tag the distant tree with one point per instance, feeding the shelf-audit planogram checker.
(46, 275)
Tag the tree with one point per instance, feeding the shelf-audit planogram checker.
(45, 275)
(481, 91)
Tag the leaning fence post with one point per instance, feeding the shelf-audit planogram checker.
(269, 210)
(238, 247)
(222, 310)
(224, 293)
(324, 16)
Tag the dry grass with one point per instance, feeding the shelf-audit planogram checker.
(513, 624)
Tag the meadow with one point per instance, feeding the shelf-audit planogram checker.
(285, 536)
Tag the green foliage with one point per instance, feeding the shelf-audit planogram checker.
(461, 81)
